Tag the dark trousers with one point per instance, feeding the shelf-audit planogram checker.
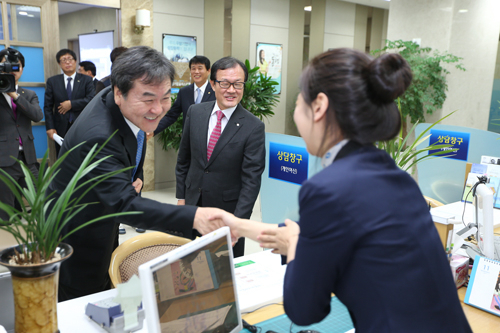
(15, 171)
(238, 248)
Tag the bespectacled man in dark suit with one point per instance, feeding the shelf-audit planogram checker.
(197, 92)
(222, 151)
(138, 98)
(17, 110)
(66, 95)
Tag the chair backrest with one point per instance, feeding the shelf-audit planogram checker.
(433, 202)
(132, 253)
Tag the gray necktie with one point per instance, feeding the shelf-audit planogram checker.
(198, 96)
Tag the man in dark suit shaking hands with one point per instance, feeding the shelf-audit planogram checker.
(222, 151)
(197, 92)
(66, 95)
(138, 98)
(17, 110)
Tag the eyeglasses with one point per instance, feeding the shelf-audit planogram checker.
(66, 59)
(226, 85)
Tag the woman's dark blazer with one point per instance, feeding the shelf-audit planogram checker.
(367, 236)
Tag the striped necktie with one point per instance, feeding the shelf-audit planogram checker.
(138, 156)
(214, 137)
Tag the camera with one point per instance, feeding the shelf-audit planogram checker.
(11, 64)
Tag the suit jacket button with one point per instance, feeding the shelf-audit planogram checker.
(17, 125)
(199, 190)
(206, 170)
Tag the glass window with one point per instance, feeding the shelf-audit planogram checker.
(26, 24)
(1, 24)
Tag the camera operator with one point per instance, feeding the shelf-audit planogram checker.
(17, 110)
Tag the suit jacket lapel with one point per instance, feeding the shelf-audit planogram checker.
(76, 85)
(5, 104)
(191, 94)
(234, 124)
(204, 119)
(208, 92)
(124, 131)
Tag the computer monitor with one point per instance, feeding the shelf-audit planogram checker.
(192, 289)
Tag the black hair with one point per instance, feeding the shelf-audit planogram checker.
(226, 63)
(64, 52)
(361, 92)
(88, 66)
(260, 56)
(117, 51)
(5, 52)
(200, 60)
(140, 62)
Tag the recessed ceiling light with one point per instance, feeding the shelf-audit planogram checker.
(387, 0)
(463, 10)
(308, 8)
(31, 15)
(23, 13)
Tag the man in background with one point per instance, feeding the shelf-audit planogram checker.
(222, 151)
(197, 92)
(66, 95)
(113, 55)
(17, 110)
(88, 68)
(139, 97)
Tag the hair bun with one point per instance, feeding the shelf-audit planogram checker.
(388, 77)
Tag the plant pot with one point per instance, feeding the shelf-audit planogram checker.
(35, 291)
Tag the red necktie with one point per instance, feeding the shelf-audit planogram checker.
(14, 108)
(215, 135)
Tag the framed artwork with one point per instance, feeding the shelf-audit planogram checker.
(179, 50)
(269, 58)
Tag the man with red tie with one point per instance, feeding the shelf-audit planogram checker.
(222, 151)
(17, 110)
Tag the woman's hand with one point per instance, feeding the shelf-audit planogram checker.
(281, 240)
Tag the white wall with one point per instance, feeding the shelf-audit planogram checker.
(339, 24)
(176, 17)
(472, 35)
(269, 24)
(86, 21)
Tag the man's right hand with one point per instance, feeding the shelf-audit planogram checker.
(181, 202)
(204, 222)
(51, 133)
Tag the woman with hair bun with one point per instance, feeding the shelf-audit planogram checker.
(365, 232)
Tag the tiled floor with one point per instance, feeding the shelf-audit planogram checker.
(168, 196)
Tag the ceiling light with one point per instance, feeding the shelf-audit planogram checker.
(308, 8)
(463, 10)
(23, 13)
(31, 15)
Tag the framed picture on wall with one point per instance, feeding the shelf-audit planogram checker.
(269, 59)
(179, 50)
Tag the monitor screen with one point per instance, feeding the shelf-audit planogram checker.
(96, 47)
(196, 292)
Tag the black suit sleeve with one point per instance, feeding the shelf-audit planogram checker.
(171, 116)
(78, 105)
(118, 195)
(254, 159)
(49, 105)
(183, 158)
(29, 106)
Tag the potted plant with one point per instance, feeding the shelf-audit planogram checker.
(258, 98)
(34, 263)
(427, 91)
(407, 156)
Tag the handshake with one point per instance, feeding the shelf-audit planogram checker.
(282, 240)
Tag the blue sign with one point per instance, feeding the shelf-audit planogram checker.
(288, 163)
(459, 140)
